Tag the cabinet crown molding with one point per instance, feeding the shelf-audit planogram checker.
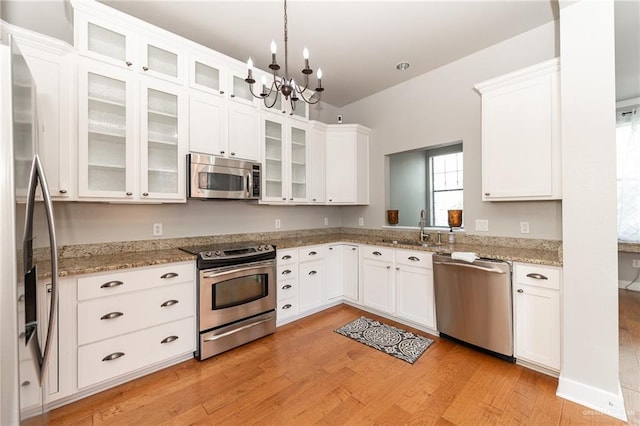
(527, 73)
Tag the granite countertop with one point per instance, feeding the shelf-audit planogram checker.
(105, 257)
(514, 254)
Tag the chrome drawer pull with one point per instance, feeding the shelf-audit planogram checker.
(413, 258)
(111, 284)
(168, 275)
(169, 303)
(111, 315)
(286, 257)
(377, 253)
(169, 339)
(113, 356)
(286, 272)
(286, 286)
(313, 272)
(287, 306)
(537, 276)
(26, 383)
(312, 253)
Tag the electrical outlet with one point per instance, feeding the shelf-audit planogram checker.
(482, 225)
(326, 221)
(157, 230)
(277, 223)
(524, 227)
(361, 221)
(636, 263)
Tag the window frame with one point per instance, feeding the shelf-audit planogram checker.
(436, 152)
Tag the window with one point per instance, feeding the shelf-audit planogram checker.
(427, 179)
(628, 158)
(444, 174)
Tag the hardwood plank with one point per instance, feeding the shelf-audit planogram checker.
(305, 374)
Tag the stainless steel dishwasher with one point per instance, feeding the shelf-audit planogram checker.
(473, 303)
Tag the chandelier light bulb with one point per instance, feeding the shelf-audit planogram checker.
(319, 74)
(250, 64)
(305, 53)
(274, 48)
(263, 80)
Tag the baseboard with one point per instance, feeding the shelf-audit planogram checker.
(633, 287)
(598, 400)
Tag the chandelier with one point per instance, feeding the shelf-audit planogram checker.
(284, 85)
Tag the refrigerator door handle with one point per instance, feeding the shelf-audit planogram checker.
(37, 175)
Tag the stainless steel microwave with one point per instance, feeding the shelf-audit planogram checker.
(213, 177)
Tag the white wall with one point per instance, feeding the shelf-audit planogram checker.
(80, 223)
(589, 371)
(441, 107)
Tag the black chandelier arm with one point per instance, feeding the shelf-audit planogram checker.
(309, 101)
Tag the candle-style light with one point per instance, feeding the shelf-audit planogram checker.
(285, 85)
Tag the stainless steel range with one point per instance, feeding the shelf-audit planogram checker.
(236, 295)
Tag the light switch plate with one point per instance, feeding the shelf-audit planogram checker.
(482, 225)
(157, 230)
(326, 221)
(277, 223)
(361, 221)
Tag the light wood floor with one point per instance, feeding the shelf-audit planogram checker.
(307, 374)
(629, 319)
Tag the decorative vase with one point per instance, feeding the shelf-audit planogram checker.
(392, 217)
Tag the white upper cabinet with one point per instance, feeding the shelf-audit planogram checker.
(132, 136)
(207, 74)
(51, 63)
(317, 162)
(100, 34)
(347, 164)
(243, 132)
(239, 90)
(286, 159)
(521, 150)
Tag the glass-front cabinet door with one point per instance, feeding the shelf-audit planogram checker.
(106, 122)
(298, 164)
(274, 159)
(162, 61)
(105, 41)
(207, 75)
(162, 141)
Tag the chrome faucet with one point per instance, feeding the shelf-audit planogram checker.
(424, 237)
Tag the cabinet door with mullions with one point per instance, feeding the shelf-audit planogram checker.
(106, 119)
(162, 141)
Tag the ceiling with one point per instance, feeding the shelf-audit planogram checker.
(356, 43)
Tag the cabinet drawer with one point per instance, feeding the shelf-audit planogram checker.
(110, 358)
(136, 279)
(310, 253)
(286, 308)
(287, 289)
(377, 253)
(287, 272)
(538, 275)
(106, 317)
(420, 259)
(286, 257)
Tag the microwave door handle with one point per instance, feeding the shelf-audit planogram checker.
(249, 181)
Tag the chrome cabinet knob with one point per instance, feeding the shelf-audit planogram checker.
(63, 191)
(146, 194)
(129, 194)
(129, 63)
(520, 290)
(145, 68)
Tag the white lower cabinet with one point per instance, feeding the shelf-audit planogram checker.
(312, 282)
(377, 278)
(342, 273)
(414, 287)
(131, 320)
(111, 358)
(536, 298)
(287, 285)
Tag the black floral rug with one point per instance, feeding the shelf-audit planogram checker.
(394, 341)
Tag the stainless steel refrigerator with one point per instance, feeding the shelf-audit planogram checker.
(28, 262)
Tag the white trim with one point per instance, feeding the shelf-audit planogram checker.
(36, 39)
(634, 287)
(543, 68)
(604, 402)
(633, 102)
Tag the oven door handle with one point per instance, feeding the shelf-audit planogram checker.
(230, 332)
(232, 270)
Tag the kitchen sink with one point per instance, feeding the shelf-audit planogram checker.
(407, 243)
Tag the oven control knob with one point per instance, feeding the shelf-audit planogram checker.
(260, 247)
(207, 254)
(218, 253)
